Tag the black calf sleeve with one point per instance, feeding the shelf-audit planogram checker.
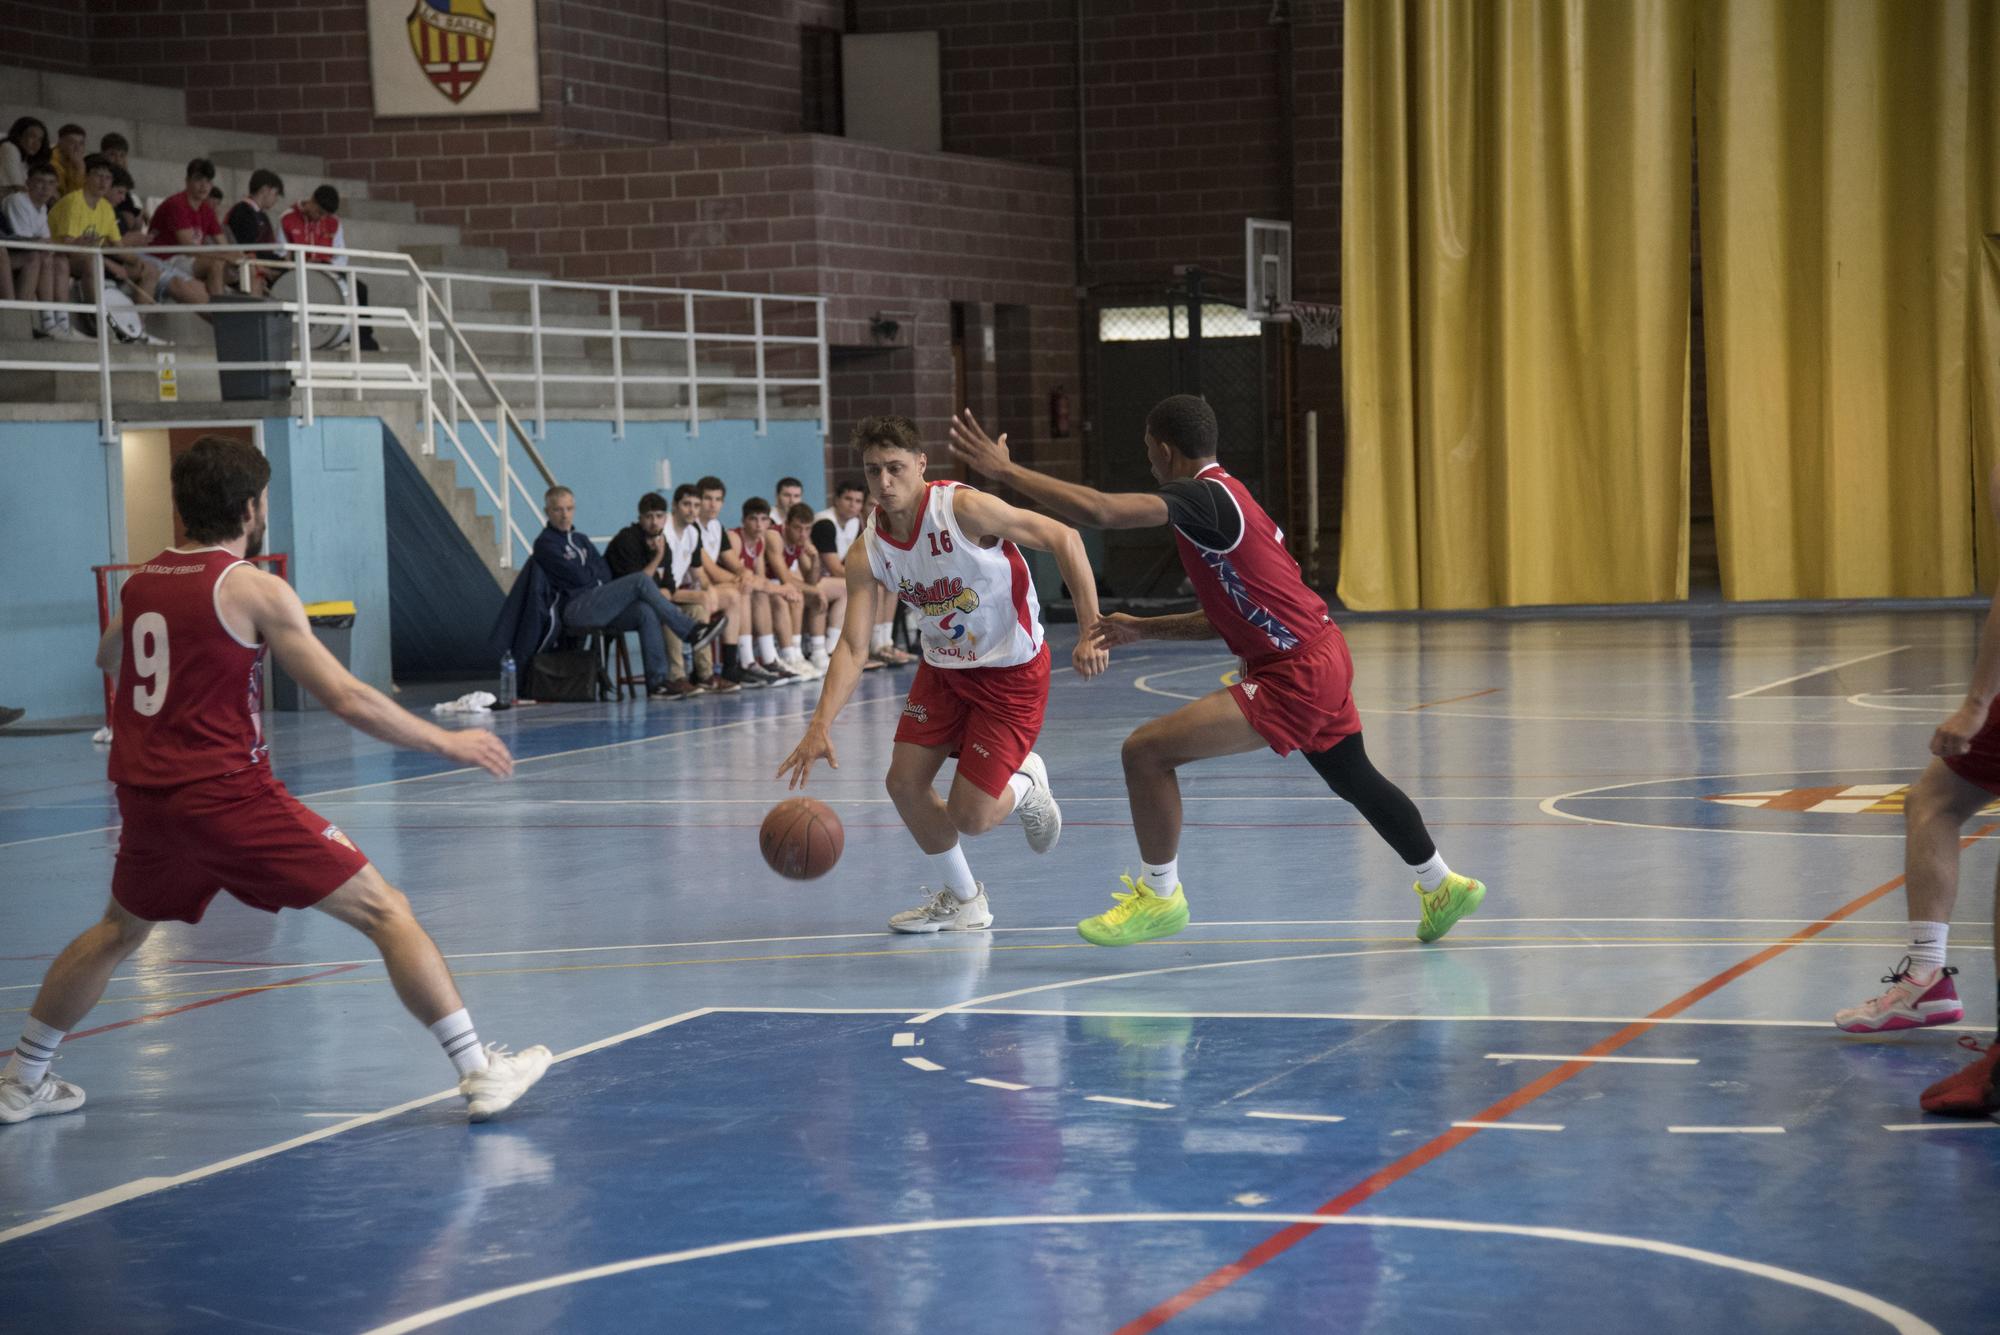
(1354, 779)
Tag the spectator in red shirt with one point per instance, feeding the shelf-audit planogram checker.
(315, 221)
(188, 219)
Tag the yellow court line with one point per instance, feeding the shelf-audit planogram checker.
(152, 997)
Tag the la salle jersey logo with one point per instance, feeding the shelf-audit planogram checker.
(453, 41)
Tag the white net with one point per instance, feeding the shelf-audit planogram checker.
(1318, 326)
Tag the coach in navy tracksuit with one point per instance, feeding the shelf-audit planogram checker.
(593, 600)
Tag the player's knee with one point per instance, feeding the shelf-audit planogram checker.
(1144, 749)
(973, 815)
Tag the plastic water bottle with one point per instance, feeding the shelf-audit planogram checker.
(506, 700)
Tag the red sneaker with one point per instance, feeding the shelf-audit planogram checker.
(1913, 1001)
(1972, 1092)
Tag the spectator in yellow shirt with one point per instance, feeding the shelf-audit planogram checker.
(68, 160)
(84, 217)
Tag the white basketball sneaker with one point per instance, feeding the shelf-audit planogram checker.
(18, 1102)
(945, 912)
(819, 659)
(1041, 818)
(507, 1077)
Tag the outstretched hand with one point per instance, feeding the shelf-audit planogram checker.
(476, 746)
(975, 449)
(1116, 629)
(798, 765)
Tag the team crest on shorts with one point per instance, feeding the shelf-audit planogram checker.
(333, 833)
(453, 42)
(917, 712)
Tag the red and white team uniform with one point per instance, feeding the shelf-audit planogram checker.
(1296, 684)
(202, 811)
(983, 686)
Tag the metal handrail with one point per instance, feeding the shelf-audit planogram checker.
(354, 376)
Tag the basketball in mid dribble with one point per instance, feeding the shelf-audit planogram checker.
(801, 838)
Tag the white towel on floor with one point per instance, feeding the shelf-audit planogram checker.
(473, 702)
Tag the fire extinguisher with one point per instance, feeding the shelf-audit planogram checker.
(1059, 412)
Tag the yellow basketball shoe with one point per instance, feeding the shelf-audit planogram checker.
(1141, 914)
(1456, 897)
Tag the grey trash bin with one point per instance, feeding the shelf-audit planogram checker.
(251, 336)
(332, 626)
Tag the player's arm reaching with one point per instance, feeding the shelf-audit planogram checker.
(984, 516)
(843, 670)
(269, 607)
(1120, 628)
(1078, 504)
(1954, 736)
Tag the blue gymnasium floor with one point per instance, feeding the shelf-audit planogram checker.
(770, 1115)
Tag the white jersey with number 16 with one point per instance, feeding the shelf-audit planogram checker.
(975, 606)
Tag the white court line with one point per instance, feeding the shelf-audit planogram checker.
(339, 1116)
(1510, 1126)
(146, 1186)
(1726, 1130)
(903, 1039)
(922, 1064)
(1581, 1057)
(1941, 1126)
(1296, 1117)
(1829, 667)
(1375, 1017)
(1126, 1103)
(1904, 1323)
(997, 1084)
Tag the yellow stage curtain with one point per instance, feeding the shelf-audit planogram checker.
(1515, 277)
(1984, 153)
(1845, 190)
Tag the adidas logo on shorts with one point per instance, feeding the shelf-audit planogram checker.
(1249, 690)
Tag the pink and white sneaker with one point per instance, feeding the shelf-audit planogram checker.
(1913, 1001)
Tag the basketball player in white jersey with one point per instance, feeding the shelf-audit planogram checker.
(950, 553)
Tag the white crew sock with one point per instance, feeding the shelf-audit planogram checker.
(790, 653)
(767, 649)
(1430, 875)
(956, 873)
(460, 1042)
(1161, 876)
(815, 644)
(1927, 942)
(884, 632)
(832, 639)
(34, 1052)
(1018, 784)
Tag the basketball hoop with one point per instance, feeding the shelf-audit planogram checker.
(1318, 326)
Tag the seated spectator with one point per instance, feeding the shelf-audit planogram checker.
(39, 275)
(115, 149)
(26, 145)
(788, 492)
(594, 599)
(825, 594)
(187, 219)
(774, 605)
(250, 223)
(684, 539)
(738, 663)
(68, 160)
(833, 532)
(315, 221)
(643, 546)
(142, 271)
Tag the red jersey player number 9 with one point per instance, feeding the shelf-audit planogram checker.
(149, 663)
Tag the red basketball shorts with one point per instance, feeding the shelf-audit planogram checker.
(1303, 701)
(241, 833)
(1980, 766)
(990, 717)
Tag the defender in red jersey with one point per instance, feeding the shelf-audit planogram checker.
(949, 554)
(203, 814)
(1293, 693)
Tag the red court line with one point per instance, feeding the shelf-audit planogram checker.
(208, 1001)
(1432, 704)
(1285, 1239)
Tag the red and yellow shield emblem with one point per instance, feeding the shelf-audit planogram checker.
(453, 41)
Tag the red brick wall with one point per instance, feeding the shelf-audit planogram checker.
(43, 35)
(733, 68)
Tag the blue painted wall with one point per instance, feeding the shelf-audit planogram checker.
(327, 510)
(59, 475)
(610, 475)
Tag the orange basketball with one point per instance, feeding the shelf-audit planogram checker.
(801, 838)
